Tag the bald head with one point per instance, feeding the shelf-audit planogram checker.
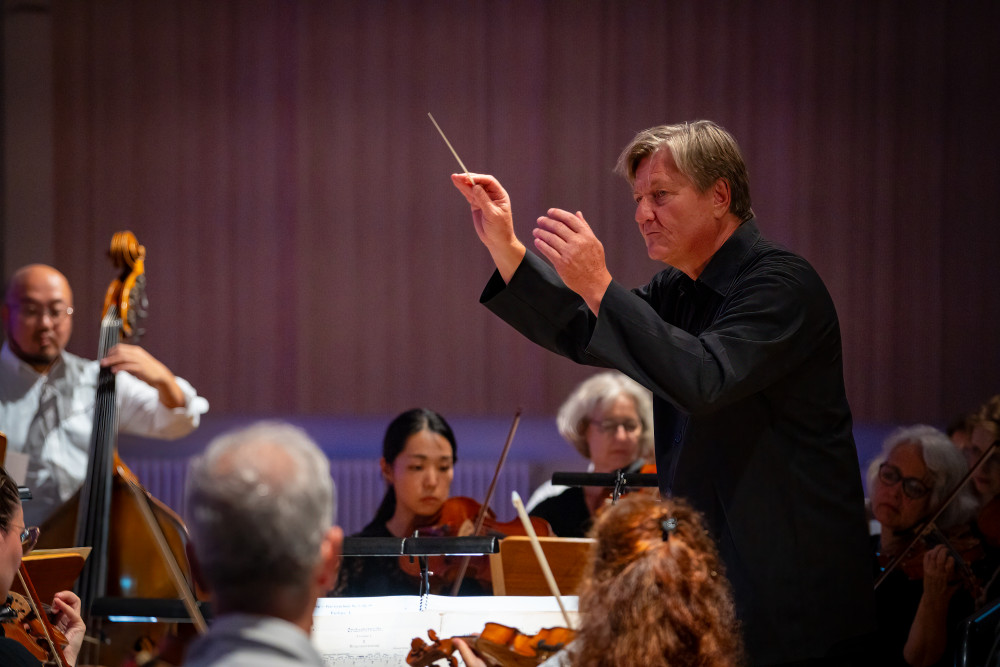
(37, 314)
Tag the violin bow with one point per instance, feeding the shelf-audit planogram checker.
(486, 504)
(929, 525)
(55, 651)
(539, 554)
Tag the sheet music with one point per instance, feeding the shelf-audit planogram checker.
(376, 632)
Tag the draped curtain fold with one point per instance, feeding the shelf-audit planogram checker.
(307, 253)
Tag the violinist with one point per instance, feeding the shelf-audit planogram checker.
(919, 605)
(47, 394)
(418, 463)
(17, 540)
(984, 429)
(608, 419)
(654, 593)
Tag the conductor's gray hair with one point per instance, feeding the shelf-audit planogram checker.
(259, 502)
(945, 463)
(594, 395)
(702, 150)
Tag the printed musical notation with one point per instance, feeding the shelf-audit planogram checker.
(376, 632)
(371, 659)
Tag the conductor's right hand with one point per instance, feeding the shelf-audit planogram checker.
(491, 215)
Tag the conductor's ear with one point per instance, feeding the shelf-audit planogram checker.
(721, 197)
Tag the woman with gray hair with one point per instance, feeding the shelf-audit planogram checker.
(915, 472)
(608, 419)
(260, 508)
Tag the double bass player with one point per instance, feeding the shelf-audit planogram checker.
(47, 393)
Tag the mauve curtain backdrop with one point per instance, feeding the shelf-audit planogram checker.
(307, 253)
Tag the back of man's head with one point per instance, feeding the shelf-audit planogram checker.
(260, 505)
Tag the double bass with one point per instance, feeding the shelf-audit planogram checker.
(137, 543)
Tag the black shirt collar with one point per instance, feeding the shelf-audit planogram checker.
(725, 263)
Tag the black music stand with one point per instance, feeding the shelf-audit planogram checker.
(617, 481)
(421, 548)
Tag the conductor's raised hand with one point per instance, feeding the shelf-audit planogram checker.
(568, 242)
(493, 220)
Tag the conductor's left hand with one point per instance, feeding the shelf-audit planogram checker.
(568, 242)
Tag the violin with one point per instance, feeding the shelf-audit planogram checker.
(457, 518)
(23, 619)
(18, 622)
(498, 645)
(962, 545)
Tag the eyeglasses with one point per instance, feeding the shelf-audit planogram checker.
(912, 487)
(32, 310)
(610, 426)
(29, 538)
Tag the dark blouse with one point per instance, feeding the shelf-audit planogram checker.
(567, 513)
(13, 654)
(896, 600)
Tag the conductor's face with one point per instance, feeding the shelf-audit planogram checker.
(37, 315)
(679, 224)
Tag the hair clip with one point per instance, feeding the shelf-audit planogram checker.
(669, 525)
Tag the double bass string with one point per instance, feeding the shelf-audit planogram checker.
(460, 164)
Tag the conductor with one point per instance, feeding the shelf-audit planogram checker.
(738, 339)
